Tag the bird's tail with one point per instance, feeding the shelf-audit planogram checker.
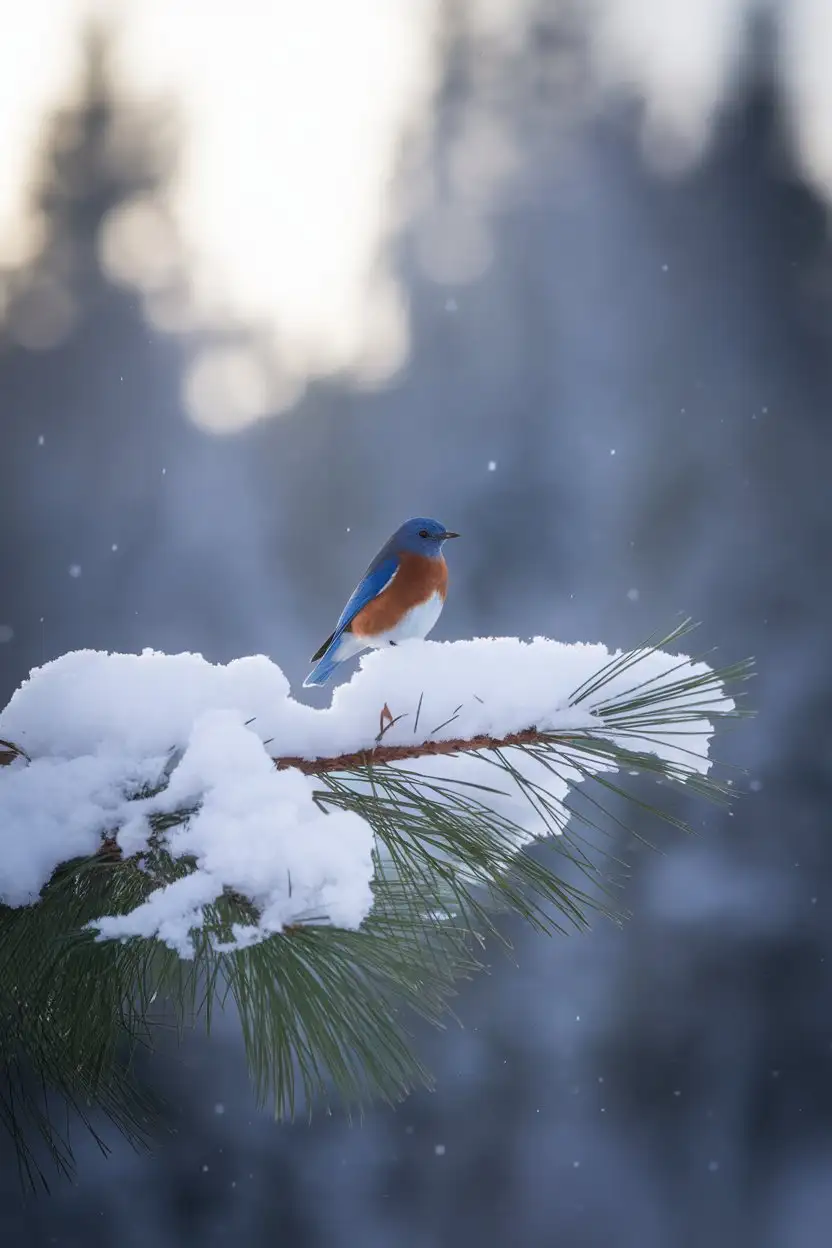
(323, 669)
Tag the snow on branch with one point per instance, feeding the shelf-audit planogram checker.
(220, 770)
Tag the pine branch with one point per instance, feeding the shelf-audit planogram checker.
(384, 754)
(323, 1008)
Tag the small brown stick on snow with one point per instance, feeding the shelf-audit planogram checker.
(9, 752)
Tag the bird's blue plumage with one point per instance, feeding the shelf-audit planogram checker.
(369, 587)
(419, 536)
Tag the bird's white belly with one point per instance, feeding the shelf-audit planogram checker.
(416, 623)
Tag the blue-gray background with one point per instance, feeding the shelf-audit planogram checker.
(648, 365)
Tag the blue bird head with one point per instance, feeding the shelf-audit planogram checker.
(421, 536)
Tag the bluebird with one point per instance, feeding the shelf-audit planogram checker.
(400, 595)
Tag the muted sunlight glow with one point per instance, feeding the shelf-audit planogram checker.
(683, 59)
(41, 64)
(292, 119)
(274, 236)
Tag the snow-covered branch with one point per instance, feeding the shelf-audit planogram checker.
(330, 869)
(117, 744)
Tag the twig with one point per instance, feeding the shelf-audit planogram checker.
(9, 752)
(396, 753)
(387, 714)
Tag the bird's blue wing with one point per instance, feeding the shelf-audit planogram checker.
(369, 587)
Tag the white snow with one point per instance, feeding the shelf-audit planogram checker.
(100, 727)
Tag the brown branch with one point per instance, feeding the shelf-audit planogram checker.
(380, 754)
(397, 753)
(9, 752)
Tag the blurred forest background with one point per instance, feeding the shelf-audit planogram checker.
(274, 276)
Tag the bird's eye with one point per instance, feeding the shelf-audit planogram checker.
(423, 532)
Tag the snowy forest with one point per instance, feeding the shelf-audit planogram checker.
(275, 277)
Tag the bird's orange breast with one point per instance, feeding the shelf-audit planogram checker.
(417, 579)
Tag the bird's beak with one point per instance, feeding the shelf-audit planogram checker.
(445, 536)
